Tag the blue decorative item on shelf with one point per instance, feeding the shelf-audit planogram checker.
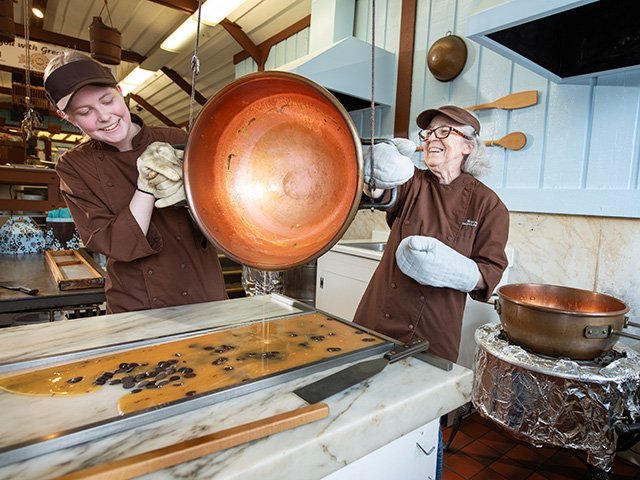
(20, 234)
(60, 231)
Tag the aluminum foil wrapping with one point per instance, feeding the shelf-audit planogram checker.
(549, 401)
(261, 282)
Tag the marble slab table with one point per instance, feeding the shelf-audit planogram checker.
(363, 419)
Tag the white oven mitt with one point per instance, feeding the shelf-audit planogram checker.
(430, 262)
(392, 165)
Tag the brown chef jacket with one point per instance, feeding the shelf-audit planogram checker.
(465, 215)
(172, 264)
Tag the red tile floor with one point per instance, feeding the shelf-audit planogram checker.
(482, 450)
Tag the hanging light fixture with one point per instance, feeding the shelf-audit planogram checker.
(106, 42)
(37, 8)
(213, 12)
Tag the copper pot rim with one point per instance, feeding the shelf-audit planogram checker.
(503, 293)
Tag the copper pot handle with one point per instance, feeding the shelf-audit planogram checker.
(394, 193)
(606, 331)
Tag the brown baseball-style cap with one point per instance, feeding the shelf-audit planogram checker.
(67, 79)
(457, 114)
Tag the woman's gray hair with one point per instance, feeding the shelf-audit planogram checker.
(475, 163)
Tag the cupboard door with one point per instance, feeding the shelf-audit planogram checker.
(341, 281)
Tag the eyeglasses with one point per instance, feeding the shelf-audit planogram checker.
(441, 132)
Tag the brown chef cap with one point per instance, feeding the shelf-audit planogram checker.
(457, 114)
(67, 79)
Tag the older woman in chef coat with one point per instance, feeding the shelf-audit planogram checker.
(448, 233)
(447, 239)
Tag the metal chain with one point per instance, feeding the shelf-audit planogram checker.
(372, 183)
(31, 118)
(27, 61)
(195, 67)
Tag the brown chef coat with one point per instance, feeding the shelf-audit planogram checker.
(465, 215)
(172, 264)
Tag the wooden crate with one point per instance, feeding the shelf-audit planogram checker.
(72, 271)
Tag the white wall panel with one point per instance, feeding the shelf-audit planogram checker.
(524, 167)
(583, 140)
(614, 128)
(567, 117)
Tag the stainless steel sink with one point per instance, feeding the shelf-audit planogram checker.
(375, 246)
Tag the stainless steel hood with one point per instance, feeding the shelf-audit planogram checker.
(563, 40)
(341, 62)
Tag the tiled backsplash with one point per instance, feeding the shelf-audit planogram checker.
(592, 253)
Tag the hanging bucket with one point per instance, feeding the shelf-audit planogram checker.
(7, 28)
(106, 42)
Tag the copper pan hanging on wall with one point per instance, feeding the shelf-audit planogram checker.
(447, 57)
(273, 170)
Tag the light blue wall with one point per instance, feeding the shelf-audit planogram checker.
(583, 141)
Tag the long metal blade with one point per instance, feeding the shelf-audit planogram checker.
(350, 376)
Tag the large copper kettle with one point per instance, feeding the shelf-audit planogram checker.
(273, 170)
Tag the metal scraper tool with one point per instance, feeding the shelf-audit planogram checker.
(21, 288)
(322, 389)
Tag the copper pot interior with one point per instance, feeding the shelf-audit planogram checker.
(273, 170)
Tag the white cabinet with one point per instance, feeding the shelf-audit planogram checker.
(342, 276)
(411, 457)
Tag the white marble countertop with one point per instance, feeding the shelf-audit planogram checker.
(350, 247)
(403, 397)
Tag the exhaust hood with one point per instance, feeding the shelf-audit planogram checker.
(341, 62)
(563, 40)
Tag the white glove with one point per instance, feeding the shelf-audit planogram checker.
(160, 174)
(172, 194)
(159, 164)
(430, 262)
(392, 165)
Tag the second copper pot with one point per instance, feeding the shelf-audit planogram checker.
(561, 321)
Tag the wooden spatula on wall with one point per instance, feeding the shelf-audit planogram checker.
(511, 141)
(511, 102)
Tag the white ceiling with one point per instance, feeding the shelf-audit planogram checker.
(145, 24)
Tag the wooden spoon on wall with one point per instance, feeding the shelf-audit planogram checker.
(510, 102)
(511, 141)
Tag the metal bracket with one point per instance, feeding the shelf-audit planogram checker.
(597, 331)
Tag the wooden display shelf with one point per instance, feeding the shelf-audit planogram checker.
(32, 176)
(71, 271)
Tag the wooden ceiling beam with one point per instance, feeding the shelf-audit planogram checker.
(187, 6)
(405, 68)
(265, 46)
(183, 84)
(66, 41)
(245, 42)
(152, 110)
